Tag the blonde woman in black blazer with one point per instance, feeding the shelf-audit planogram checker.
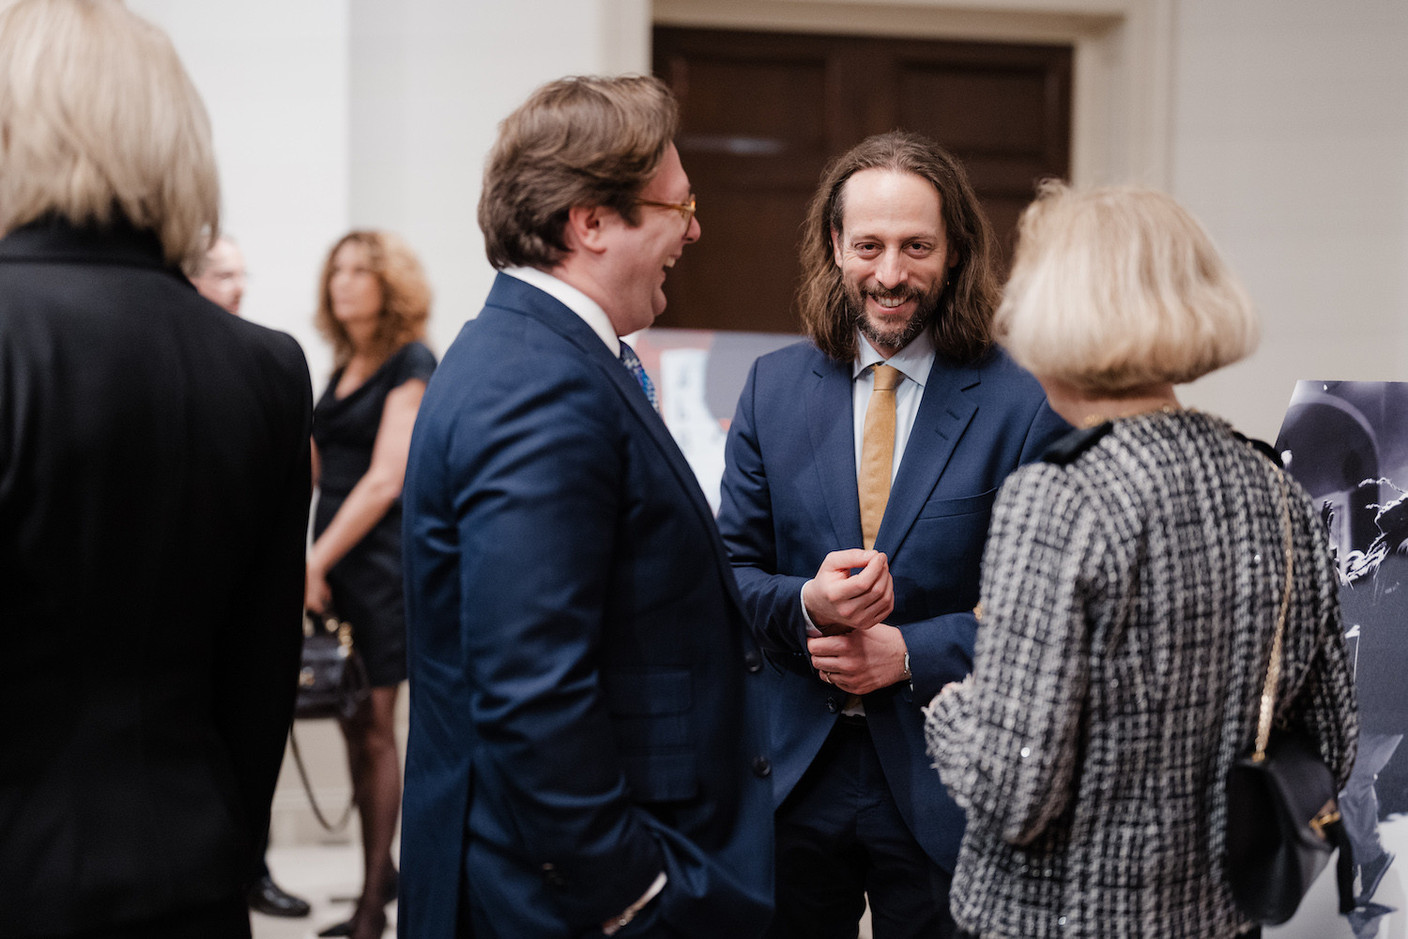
(154, 484)
(1131, 584)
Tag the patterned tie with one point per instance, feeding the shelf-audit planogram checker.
(632, 363)
(877, 451)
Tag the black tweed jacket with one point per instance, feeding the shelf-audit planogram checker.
(1129, 598)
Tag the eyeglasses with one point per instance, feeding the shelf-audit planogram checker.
(686, 209)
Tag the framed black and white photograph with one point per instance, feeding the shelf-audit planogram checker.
(1346, 442)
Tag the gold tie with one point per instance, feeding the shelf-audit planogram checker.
(877, 451)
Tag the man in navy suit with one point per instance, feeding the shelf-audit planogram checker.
(865, 615)
(587, 741)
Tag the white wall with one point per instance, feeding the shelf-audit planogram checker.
(277, 99)
(431, 79)
(1290, 142)
(332, 114)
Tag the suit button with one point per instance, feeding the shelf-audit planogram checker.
(761, 767)
(552, 878)
(754, 662)
(833, 705)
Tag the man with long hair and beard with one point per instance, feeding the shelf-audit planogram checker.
(861, 470)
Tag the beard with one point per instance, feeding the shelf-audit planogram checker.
(898, 335)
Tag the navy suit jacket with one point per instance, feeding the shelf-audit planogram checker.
(789, 498)
(586, 706)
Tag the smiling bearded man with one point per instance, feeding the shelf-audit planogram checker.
(901, 419)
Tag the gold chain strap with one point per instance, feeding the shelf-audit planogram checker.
(1273, 670)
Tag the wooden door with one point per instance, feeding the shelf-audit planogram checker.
(762, 114)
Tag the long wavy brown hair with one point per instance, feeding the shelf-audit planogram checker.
(962, 327)
(404, 289)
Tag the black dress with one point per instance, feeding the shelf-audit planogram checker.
(366, 584)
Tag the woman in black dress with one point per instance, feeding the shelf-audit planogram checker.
(373, 303)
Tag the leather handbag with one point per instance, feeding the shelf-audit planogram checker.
(1283, 820)
(332, 681)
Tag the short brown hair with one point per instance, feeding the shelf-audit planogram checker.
(962, 329)
(1117, 288)
(581, 141)
(99, 121)
(405, 295)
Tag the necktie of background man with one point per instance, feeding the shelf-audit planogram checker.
(632, 363)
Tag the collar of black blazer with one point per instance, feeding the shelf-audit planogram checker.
(56, 239)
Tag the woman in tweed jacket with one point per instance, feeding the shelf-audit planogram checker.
(1131, 584)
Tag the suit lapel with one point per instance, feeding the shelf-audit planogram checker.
(830, 425)
(514, 294)
(655, 427)
(944, 414)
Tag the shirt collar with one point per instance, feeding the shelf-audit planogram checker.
(572, 298)
(914, 360)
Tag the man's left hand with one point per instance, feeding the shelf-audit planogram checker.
(860, 661)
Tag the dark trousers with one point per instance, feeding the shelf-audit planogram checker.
(840, 839)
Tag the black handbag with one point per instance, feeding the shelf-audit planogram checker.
(1283, 820)
(332, 681)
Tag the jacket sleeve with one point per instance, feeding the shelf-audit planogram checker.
(1005, 741)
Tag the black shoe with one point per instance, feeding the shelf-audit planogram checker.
(266, 897)
(346, 929)
(393, 883)
(1372, 874)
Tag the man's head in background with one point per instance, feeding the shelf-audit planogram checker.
(221, 276)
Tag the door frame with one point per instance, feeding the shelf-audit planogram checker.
(1122, 102)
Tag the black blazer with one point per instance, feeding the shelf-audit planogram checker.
(154, 485)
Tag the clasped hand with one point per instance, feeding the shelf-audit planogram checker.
(859, 652)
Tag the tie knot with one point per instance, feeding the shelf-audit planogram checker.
(887, 377)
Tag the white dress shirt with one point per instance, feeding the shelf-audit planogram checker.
(914, 360)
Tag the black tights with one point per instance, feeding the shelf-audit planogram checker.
(376, 785)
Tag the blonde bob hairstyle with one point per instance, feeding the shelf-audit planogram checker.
(99, 123)
(405, 296)
(1118, 288)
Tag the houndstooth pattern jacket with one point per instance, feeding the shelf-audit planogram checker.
(1129, 598)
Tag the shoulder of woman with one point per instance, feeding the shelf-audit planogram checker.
(414, 360)
(1070, 446)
